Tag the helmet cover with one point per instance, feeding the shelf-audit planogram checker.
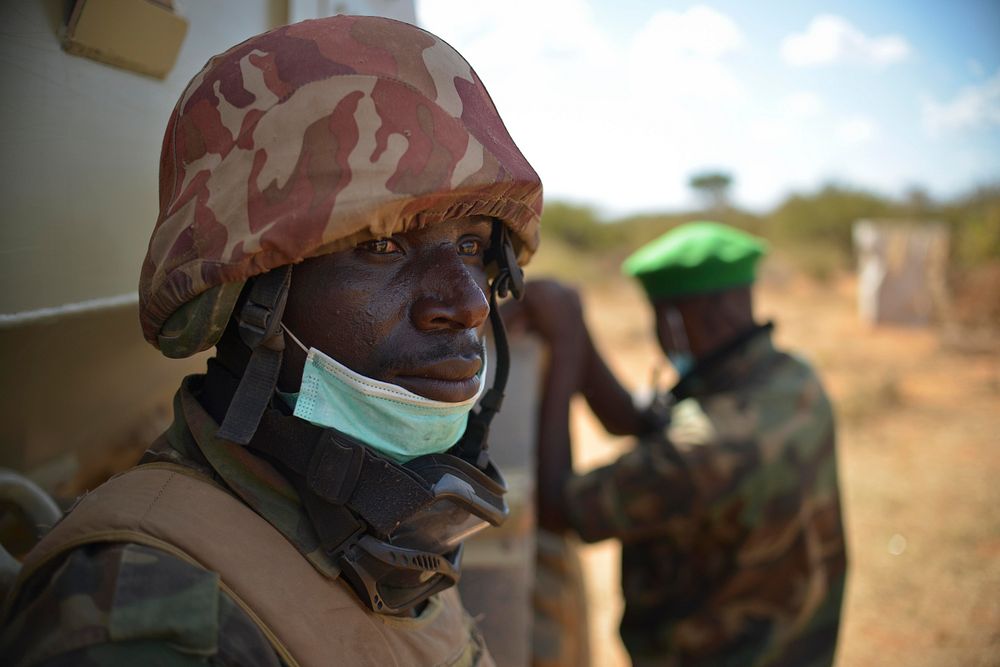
(308, 139)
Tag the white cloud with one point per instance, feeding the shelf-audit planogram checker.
(679, 55)
(802, 104)
(699, 32)
(857, 130)
(973, 107)
(830, 39)
(615, 117)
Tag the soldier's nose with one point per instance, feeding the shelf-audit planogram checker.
(452, 300)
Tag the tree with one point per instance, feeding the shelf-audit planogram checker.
(713, 186)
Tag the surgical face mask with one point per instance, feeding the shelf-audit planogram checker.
(386, 417)
(682, 362)
(680, 357)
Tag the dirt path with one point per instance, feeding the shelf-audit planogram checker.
(920, 467)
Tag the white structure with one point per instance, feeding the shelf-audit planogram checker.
(901, 271)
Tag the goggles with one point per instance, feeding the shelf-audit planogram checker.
(423, 554)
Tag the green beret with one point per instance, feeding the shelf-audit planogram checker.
(695, 258)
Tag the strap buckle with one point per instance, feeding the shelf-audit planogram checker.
(259, 318)
(334, 469)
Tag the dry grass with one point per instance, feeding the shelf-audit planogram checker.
(919, 460)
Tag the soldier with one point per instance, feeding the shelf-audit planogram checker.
(728, 509)
(335, 197)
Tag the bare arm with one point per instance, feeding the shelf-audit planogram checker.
(555, 313)
(610, 401)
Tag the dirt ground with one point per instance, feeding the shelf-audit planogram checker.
(919, 457)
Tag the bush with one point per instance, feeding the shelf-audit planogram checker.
(825, 219)
(975, 224)
(577, 226)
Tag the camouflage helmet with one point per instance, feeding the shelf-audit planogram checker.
(308, 139)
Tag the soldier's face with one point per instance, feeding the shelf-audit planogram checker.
(409, 309)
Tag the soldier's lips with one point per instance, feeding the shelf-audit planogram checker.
(451, 380)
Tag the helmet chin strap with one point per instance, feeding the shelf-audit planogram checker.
(474, 444)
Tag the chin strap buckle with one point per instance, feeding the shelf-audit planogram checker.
(510, 275)
(334, 469)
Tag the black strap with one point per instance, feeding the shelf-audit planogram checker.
(510, 275)
(474, 445)
(342, 472)
(259, 321)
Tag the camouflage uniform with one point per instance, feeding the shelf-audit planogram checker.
(559, 632)
(732, 544)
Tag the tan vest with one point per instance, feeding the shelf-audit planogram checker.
(309, 619)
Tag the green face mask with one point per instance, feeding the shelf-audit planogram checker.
(386, 417)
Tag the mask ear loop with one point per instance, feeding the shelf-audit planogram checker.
(295, 339)
(509, 280)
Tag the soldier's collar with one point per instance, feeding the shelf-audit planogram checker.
(727, 365)
(257, 482)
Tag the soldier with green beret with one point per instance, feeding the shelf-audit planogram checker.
(728, 506)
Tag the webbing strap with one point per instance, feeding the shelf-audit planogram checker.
(340, 471)
(474, 444)
(259, 322)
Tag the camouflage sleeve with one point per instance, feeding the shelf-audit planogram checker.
(559, 636)
(632, 496)
(117, 604)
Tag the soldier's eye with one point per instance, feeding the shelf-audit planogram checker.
(470, 247)
(381, 246)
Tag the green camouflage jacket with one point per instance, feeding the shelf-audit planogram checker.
(129, 604)
(732, 543)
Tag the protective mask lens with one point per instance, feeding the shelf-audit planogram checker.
(395, 579)
(422, 555)
(439, 528)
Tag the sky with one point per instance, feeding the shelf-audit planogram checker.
(617, 102)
